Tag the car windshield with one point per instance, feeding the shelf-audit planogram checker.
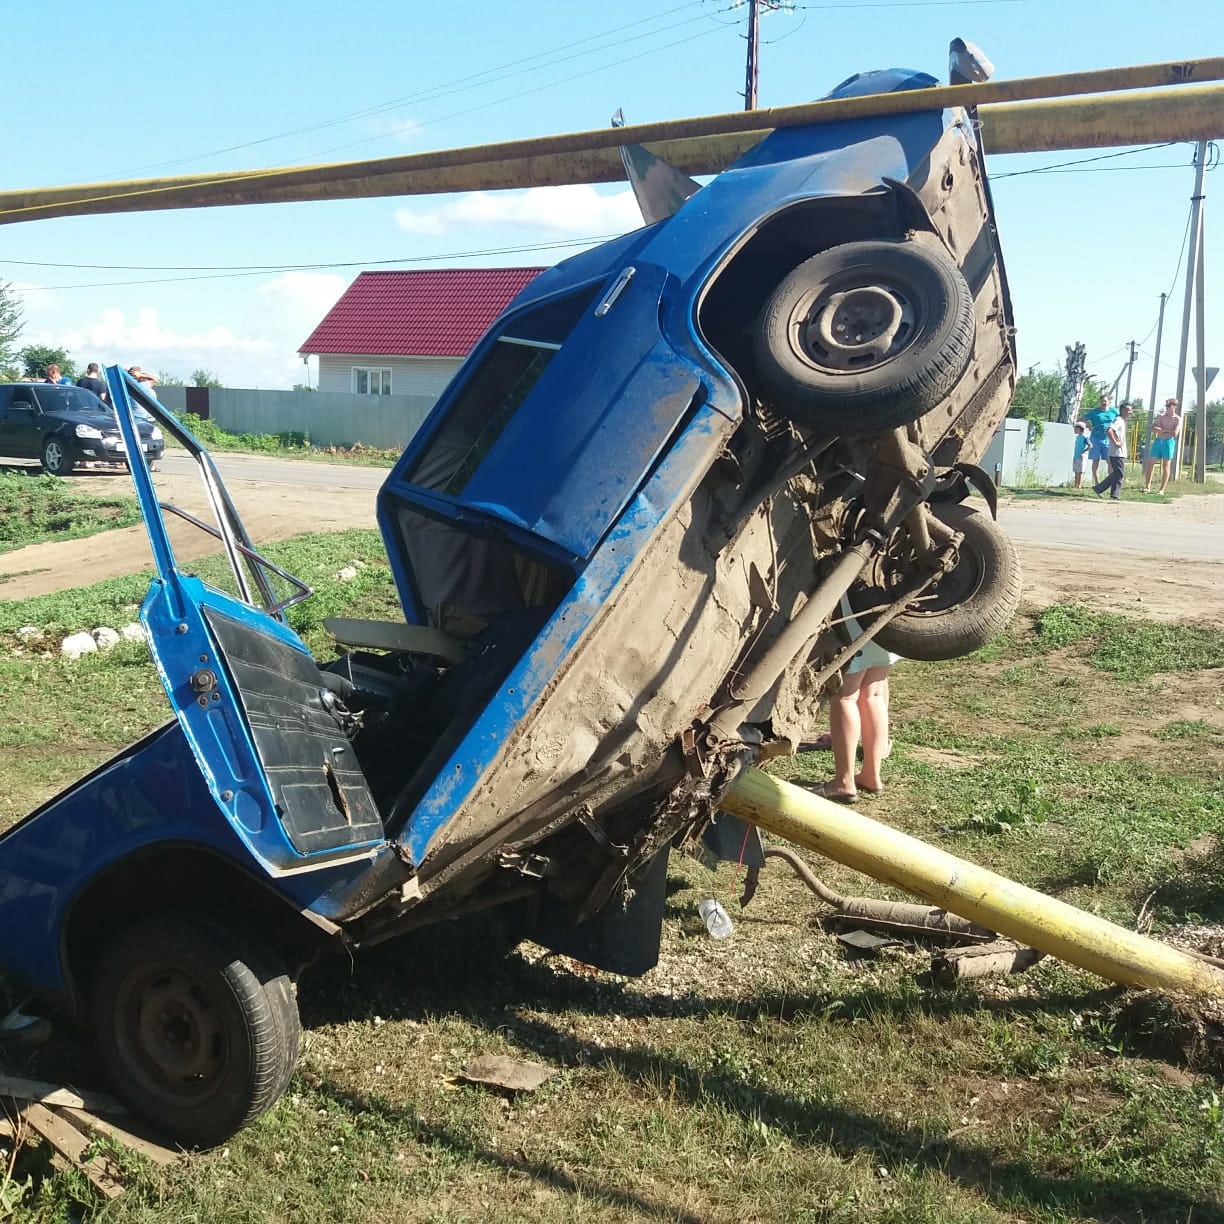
(68, 399)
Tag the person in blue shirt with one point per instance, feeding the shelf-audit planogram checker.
(1082, 446)
(1099, 419)
(54, 376)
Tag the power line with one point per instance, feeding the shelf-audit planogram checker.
(517, 67)
(237, 271)
(1083, 161)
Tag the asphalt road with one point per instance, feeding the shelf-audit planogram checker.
(1103, 528)
(1109, 532)
(296, 472)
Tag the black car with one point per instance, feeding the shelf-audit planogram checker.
(65, 426)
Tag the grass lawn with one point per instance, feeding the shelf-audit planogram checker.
(285, 445)
(35, 508)
(765, 1077)
(1132, 490)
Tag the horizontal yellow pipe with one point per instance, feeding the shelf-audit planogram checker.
(702, 145)
(1021, 913)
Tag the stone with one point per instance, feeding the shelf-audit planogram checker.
(77, 644)
(106, 637)
(132, 632)
(347, 574)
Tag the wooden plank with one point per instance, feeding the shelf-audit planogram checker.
(53, 1094)
(92, 1125)
(69, 1142)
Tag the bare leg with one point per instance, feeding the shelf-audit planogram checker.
(845, 726)
(873, 715)
(1079, 479)
(1147, 475)
(1166, 470)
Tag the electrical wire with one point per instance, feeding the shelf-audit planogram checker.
(1083, 161)
(236, 271)
(477, 80)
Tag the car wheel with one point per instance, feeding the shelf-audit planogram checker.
(866, 336)
(197, 1026)
(55, 459)
(969, 606)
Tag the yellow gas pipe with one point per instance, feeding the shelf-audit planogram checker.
(1021, 913)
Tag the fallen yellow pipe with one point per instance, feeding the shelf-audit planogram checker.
(1020, 913)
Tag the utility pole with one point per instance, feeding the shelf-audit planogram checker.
(1195, 245)
(752, 71)
(1130, 365)
(1200, 413)
(1164, 297)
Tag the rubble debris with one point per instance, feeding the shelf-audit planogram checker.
(509, 1074)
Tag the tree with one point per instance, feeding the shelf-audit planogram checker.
(302, 387)
(205, 378)
(35, 358)
(165, 379)
(11, 323)
(1038, 395)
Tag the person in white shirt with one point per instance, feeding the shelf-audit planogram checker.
(1116, 435)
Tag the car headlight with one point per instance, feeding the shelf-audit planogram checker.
(156, 435)
(88, 431)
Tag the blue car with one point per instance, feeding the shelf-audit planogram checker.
(620, 543)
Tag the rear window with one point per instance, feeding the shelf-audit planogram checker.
(496, 389)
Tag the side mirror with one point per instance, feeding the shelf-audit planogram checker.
(967, 63)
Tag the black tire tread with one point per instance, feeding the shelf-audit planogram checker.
(861, 411)
(960, 630)
(265, 997)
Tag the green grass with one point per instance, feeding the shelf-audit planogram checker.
(287, 445)
(35, 509)
(1132, 489)
(766, 1077)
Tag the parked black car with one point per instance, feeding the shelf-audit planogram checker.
(65, 426)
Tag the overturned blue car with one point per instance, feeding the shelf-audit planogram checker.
(620, 543)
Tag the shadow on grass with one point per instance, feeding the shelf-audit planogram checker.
(428, 981)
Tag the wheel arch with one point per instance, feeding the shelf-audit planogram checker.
(181, 877)
(735, 296)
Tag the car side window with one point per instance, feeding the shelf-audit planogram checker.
(495, 390)
(22, 399)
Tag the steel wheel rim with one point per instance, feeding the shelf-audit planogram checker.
(172, 1033)
(852, 328)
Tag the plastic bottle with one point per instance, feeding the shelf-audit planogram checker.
(716, 919)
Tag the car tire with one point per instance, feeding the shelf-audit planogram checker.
(916, 315)
(55, 459)
(196, 1025)
(968, 607)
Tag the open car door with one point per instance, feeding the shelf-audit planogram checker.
(265, 731)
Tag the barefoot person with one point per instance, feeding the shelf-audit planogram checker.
(1164, 445)
(859, 711)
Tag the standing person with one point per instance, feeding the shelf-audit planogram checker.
(1099, 419)
(91, 380)
(1082, 446)
(1117, 457)
(54, 376)
(1165, 429)
(147, 381)
(859, 711)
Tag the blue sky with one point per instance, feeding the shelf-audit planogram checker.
(161, 88)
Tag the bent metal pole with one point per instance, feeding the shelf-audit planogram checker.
(1021, 913)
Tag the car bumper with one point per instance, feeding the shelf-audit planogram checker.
(93, 450)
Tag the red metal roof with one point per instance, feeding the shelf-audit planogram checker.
(436, 312)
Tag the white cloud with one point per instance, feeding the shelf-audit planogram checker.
(257, 347)
(577, 210)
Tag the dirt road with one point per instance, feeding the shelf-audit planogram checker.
(1165, 562)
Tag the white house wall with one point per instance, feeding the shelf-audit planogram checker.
(415, 376)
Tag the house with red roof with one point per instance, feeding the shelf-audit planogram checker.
(406, 333)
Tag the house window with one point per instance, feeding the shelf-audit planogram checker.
(369, 380)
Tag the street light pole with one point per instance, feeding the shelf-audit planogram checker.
(752, 69)
(1200, 348)
(1164, 297)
